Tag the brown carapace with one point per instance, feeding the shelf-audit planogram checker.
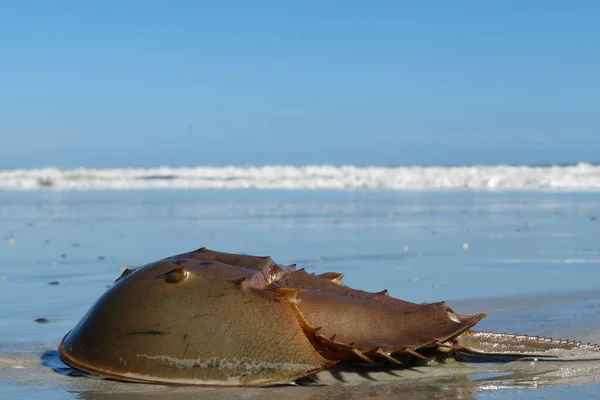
(212, 318)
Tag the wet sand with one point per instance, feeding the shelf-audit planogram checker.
(529, 259)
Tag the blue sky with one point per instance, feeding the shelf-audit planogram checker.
(148, 83)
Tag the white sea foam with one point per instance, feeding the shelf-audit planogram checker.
(580, 177)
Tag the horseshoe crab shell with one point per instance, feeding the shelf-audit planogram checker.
(211, 318)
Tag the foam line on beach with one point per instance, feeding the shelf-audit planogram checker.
(579, 177)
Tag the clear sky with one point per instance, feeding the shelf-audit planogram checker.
(110, 83)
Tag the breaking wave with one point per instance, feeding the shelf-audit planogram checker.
(580, 177)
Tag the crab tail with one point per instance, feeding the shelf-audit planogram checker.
(473, 345)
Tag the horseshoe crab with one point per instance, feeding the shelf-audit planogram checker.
(212, 318)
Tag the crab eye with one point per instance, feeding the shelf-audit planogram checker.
(176, 275)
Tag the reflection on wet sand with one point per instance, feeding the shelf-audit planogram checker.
(453, 380)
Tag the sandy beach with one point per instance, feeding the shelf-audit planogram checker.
(529, 259)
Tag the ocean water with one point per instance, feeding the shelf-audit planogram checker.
(529, 258)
